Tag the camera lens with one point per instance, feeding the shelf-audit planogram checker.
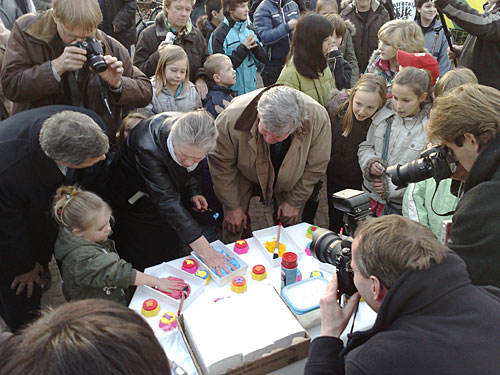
(414, 171)
(328, 247)
(97, 63)
(325, 245)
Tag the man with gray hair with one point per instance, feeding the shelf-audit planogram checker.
(41, 149)
(274, 143)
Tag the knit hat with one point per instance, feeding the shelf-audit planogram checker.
(420, 60)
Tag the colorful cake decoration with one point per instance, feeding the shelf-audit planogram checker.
(310, 231)
(241, 247)
(168, 321)
(239, 284)
(189, 265)
(202, 274)
(308, 248)
(316, 274)
(150, 308)
(259, 272)
(299, 275)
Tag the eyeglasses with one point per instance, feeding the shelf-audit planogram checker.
(69, 34)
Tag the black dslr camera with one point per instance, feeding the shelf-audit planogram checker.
(95, 54)
(328, 247)
(437, 162)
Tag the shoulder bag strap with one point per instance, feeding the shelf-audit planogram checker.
(387, 137)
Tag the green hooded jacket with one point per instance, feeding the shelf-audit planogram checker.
(91, 269)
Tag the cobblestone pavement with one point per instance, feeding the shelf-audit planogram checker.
(261, 215)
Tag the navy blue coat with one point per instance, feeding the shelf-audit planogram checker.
(28, 181)
(432, 321)
(271, 23)
(218, 98)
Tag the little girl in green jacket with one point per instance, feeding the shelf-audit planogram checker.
(91, 267)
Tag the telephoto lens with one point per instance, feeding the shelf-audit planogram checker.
(328, 247)
(437, 162)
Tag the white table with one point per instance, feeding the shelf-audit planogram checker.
(307, 264)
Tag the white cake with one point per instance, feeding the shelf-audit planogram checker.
(254, 323)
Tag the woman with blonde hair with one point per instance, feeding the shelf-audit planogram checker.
(395, 35)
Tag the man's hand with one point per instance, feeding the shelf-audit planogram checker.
(250, 41)
(200, 203)
(377, 169)
(235, 220)
(201, 87)
(455, 54)
(71, 59)
(26, 280)
(112, 75)
(287, 214)
(334, 318)
(292, 23)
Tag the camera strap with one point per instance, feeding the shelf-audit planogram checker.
(432, 202)
(103, 89)
(387, 137)
(76, 97)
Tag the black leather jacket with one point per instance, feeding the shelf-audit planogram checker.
(145, 165)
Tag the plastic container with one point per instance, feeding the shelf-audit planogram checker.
(173, 268)
(303, 299)
(225, 279)
(270, 234)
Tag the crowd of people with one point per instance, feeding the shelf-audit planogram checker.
(119, 149)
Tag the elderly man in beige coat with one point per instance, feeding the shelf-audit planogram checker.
(274, 143)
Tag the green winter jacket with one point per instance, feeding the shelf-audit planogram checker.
(417, 203)
(91, 269)
(318, 89)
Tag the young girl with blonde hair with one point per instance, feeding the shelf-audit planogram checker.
(422, 202)
(91, 267)
(394, 35)
(350, 113)
(396, 136)
(172, 90)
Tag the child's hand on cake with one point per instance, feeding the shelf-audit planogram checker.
(168, 286)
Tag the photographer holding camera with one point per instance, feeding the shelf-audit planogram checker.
(431, 319)
(467, 122)
(59, 57)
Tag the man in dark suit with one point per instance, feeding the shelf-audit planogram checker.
(41, 149)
